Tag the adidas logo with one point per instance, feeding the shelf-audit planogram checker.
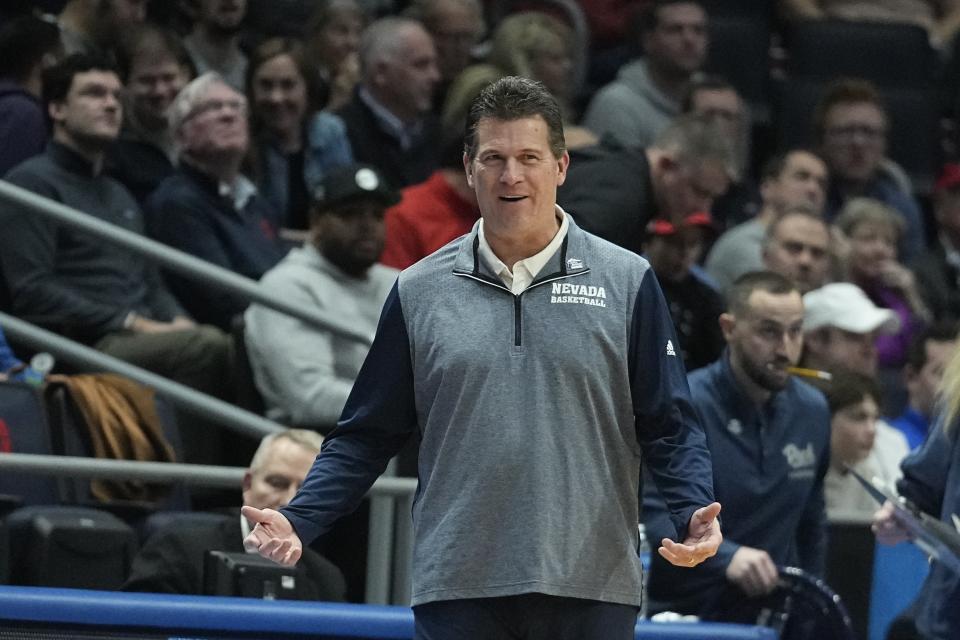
(670, 351)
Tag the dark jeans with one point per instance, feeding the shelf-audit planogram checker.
(532, 616)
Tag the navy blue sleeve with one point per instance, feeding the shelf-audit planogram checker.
(668, 428)
(379, 417)
(925, 470)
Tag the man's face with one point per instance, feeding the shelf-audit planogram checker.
(873, 245)
(800, 251)
(223, 16)
(339, 38)
(922, 385)
(91, 113)
(409, 77)
(280, 95)
(217, 126)
(351, 235)
(835, 349)
(552, 64)
(684, 189)
(456, 27)
(152, 85)
(722, 105)
(515, 176)
(672, 256)
(854, 140)
(946, 210)
(803, 182)
(767, 338)
(678, 44)
(853, 430)
(274, 483)
(123, 14)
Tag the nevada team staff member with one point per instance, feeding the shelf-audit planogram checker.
(534, 405)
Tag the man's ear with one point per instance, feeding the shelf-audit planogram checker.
(562, 164)
(55, 111)
(468, 169)
(728, 322)
(247, 479)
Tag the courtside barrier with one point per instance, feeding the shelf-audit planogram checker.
(36, 612)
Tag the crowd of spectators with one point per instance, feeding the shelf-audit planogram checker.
(334, 133)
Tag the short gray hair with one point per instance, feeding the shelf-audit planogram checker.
(186, 101)
(797, 210)
(857, 211)
(694, 139)
(382, 39)
(310, 440)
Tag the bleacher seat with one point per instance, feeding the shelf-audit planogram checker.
(69, 547)
(24, 429)
(70, 438)
(739, 51)
(889, 55)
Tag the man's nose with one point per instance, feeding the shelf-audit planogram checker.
(511, 173)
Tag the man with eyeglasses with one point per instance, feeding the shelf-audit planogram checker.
(851, 127)
(79, 286)
(207, 208)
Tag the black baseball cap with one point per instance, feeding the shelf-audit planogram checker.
(351, 182)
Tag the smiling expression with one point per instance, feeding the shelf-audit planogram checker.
(515, 176)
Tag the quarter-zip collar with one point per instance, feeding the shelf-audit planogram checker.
(567, 260)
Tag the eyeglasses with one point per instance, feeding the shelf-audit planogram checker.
(237, 105)
(848, 132)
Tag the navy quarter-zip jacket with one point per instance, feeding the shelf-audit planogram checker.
(533, 413)
(769, 465)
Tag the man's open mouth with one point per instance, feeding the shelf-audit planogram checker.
(512, 198)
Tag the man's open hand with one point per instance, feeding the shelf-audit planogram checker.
(272, 537)
(702, 541)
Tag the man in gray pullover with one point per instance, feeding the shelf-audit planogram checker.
(538, 366)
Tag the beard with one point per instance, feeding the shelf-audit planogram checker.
(765, 377)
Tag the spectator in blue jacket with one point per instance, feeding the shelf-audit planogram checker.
(772, 433)
(851, 124)
(208, 208)
(27, 45)
(931, 480)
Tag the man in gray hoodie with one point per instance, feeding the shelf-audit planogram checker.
(648, 93)
(304, 373)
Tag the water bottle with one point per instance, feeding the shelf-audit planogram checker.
(644, 551)
(40, 365)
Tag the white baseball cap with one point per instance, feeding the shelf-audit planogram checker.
(844, 305)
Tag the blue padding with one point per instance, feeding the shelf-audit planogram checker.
(898, 574)
(148, 610)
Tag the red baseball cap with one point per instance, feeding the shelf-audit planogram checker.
(661, 227)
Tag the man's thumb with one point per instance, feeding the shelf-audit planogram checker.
(253, 514)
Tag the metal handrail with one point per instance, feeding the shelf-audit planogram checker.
(232, 417)
(175, 260)
(389, 554)
(192, 474)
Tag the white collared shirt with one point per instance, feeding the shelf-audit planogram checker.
(239, 192)
(524, 271)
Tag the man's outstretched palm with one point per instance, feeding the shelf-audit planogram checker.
(702, 541)
(272, 537)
